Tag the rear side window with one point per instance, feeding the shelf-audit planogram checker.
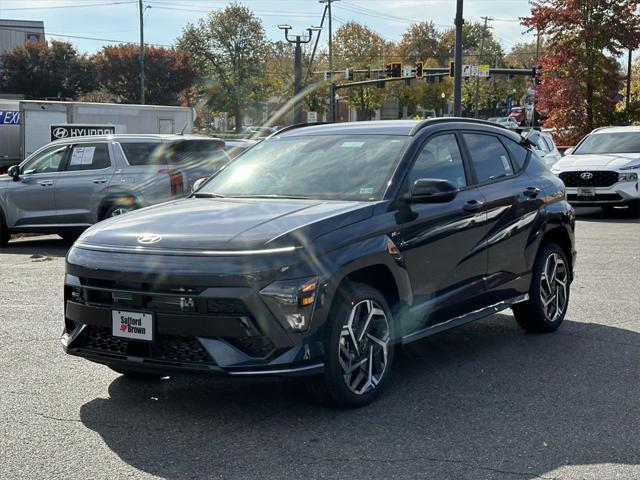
(143, 153)
(89, 156)
(518, 153)
(440, 158)
(490, 158)
(195, 151)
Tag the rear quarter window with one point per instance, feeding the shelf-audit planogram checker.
(143, 153)
(518, 153)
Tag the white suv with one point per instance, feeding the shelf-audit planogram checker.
(603, 168)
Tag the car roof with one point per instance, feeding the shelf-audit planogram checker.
(389, 127)
(629, 128)
(136, 137)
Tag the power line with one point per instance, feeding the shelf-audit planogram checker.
(55, 7)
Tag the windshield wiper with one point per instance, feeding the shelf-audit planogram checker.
(294, 197)
(207, 195)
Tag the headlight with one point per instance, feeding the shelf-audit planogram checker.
(293, 301)
(555, 169)
(634, 166)
(628, 177)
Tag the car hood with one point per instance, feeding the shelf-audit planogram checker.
(225, 224)
(597, 162)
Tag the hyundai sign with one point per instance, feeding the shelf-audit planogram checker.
(9, 117)
(71, 130)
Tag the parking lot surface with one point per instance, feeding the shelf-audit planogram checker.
(485, 401)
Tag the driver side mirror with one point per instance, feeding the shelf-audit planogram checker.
(14, 172)
(198, 183)
(568, 151)
(433, 190)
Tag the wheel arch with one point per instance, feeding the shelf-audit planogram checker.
(117, 197)
(560, 236)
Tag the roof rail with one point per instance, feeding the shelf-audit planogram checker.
(298, 125)
(434, 121)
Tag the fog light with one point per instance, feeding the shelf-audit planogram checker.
(293, 301)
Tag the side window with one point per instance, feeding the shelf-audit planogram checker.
(440, 158)
(490, 158)
(519, 154)
(89, 156)
(46, 161)
(144, 153)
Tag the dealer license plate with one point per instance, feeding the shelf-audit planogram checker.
(586, 191)
(132, 325)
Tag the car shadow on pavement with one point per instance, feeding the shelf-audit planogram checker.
(617, 215)
(483, 401)
(37, 246)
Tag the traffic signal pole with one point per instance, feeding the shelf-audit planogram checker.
(457, 76)
(477, 96)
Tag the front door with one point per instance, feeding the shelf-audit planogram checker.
(442, 242)
(83, 183)
(30, 201)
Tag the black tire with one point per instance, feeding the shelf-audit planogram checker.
(134, 375)
(117, 209)
(4, 233)
(331, 388)
(532, 314)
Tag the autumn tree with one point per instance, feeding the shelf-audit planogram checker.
(357, 46)
(41, 69)
(229, 47)
(580, 76)
(422, 42)
(168, 73)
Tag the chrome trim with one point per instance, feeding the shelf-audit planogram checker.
(173, 251)
(278, 372)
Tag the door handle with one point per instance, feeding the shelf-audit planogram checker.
(46, 183)
(99, 180)
(531, 192)
(472, 206)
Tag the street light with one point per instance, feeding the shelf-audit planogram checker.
(298, 40)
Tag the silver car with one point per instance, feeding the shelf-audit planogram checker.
(70, 184)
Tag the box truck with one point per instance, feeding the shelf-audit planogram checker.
(26, 125)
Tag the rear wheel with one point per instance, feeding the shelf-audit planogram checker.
(359, 348)
(117, 209)
(549, 292)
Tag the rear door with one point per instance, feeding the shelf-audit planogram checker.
(512, 203)
(441, 242)
(31, 200)
(83, 183)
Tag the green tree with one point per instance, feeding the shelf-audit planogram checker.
(168, 73)
(41, 69)
(229, 47)
(580, 76)
(422, 42)
(357, 46)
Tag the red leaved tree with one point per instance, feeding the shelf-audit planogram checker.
(579, 74)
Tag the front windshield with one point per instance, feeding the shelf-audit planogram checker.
(332, 167)
(619, 142)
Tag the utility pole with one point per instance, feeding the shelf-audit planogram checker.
(298, 40)
(332, 90)
(457, 74)
(141, 8)
(477, 97)
(628, 99)
(533, 102)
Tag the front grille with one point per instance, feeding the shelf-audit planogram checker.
(598, 179)
(166, 348)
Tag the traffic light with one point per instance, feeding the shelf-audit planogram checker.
(536, 75)
(452, 67)
(394, 70)
(419, 70)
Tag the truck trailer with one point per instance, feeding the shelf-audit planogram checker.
(26, 125)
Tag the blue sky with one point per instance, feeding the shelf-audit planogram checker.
(164, 20)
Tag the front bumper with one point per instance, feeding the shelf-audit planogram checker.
(621, 193)
(216, 329)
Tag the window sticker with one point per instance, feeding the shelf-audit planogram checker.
(506, 164)
(352, 144)
(366, 191)
(82, 155)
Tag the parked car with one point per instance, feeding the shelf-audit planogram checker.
(507, 122)
(546, 149)
(70, 184)
(602, 170)
(237, 146)
(322, 248)
(260, 131)
(519, 115)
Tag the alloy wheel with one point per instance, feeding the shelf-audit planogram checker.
(364, 347)
(553, 287)
(120, 211)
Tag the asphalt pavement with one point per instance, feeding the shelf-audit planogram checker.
(485, 401)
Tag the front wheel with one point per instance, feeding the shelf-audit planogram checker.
(359, 348)
(549, 292)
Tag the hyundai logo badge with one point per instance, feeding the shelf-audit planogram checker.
(60, 132)
(586, 176)
(149, 238)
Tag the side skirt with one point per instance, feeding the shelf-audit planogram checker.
(461, 320)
